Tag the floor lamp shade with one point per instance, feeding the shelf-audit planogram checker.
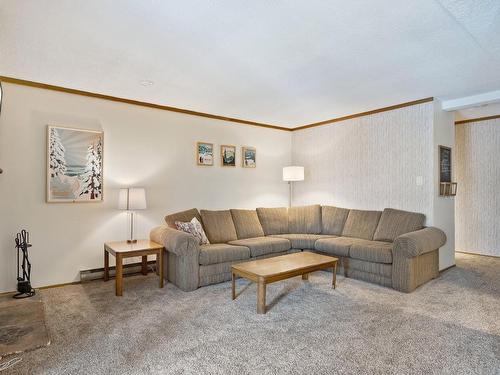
(132, 199)
(293, 173)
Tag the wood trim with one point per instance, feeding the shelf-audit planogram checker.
(44, 287)
(128, 265)
(477, 119)
(447, 268)
(67, 90)
(367, 113)
(7, 293)
(481, 255)
(58, 285)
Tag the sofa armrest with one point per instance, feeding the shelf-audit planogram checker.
(175, 241)
(419, 242)
(182, 260)
(415, 258)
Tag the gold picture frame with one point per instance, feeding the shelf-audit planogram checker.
(228, 156)
(248, 157)
(205, 154)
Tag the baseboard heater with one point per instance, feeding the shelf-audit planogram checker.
(128, 269)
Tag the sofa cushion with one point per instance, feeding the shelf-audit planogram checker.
(221, 252)
(247, 224)
(361, 224)
(338, 246)
(273, 220)
(195, 228)
(305, 219)
(183, 216)
(219, 226)
(333, 219)
(372, 251)
(302, 241)
(394, 223)
(263, 245)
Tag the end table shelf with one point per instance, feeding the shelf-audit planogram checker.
(122, 249)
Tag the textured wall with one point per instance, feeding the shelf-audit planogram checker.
(378, 161)
(478, 195)
(443, 215)
(371, 162)
(143, 147)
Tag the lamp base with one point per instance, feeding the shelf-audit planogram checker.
(131, 241)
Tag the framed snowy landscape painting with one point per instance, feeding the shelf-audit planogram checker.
(74, 164)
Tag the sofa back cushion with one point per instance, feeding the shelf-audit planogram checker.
(333, 219)
(273, 220)
(305, 219)
(183, 216)
(247, 224)
(361, 224)
(394, 223)
(219, 226)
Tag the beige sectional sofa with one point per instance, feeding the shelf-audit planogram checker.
(391, 248)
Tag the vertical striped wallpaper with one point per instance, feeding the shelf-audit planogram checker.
(370, 162)
(477, 205)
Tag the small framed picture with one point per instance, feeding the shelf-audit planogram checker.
(228, 155)
(248, 157)
(205, 153)
(444, 164)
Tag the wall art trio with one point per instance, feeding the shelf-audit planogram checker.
(205, 155)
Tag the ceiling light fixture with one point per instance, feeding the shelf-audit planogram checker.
(147, 83)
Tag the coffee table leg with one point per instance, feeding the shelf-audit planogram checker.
(261, 297)
(119, 275)
(144, 269)
(106, 265)
(233, 286)
(305, 276)
(334, 280)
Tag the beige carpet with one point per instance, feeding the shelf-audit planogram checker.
(449, 326)
(22, 325)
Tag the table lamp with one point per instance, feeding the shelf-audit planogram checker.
(291, 174)
(132, 199)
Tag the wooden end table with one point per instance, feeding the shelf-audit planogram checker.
(270, 270)
(123, 249)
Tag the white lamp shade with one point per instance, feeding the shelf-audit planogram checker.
(132, 199)
(293, 173)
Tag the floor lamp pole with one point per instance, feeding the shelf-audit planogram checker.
(291, 174)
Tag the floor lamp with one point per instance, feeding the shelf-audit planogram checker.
(291, 174)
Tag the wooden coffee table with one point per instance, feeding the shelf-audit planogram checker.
(270, 270)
